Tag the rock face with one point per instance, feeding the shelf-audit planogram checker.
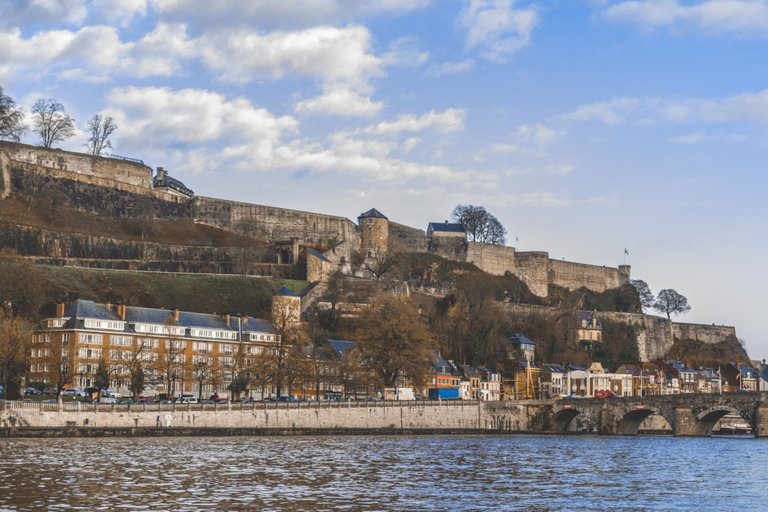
(655, 335)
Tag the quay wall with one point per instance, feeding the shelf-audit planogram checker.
(462, 415)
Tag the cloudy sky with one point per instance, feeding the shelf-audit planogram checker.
(585, 126)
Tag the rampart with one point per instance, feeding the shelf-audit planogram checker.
(573, 276)
(53, 247)
(531, 268)
(494, 259)
(707, 334)
(406, 239)
(113, 169)
(274, 224)
(5, 175)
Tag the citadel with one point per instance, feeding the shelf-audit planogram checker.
(285, 243)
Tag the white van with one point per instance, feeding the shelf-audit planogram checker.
(186, 399)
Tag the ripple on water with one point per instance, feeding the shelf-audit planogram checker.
(472, 473)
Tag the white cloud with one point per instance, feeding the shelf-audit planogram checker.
(340, 59)
(717, 16)
(451, 68)
(740, 108)
(122, 11)
(193, 125)
(19, 13)
(340, 102)
(613, 111)
(689, 139)
(282, 13)
(71, 54)
(450, 120)
(497, 27)
(405, 51)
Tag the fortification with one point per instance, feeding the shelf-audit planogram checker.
(374, 232)
(131, 172)
(272, 223)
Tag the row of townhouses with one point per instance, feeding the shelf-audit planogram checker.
(185, 352)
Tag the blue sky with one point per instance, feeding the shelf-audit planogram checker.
(585, 126)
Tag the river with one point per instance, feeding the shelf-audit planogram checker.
(385, 473)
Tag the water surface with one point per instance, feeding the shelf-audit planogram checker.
(366, 473)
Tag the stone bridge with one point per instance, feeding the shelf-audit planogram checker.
(686, 414)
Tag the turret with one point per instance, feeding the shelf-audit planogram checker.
(374, 232)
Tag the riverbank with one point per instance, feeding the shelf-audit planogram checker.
(88, 432)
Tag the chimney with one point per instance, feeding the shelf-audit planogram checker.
(244, 318)
(121, 311)
(108, 305)
(175, 314)
(59, 309)
(226, 319)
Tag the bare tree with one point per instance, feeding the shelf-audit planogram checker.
(378, 263)
(479, 224)
(51, 122)
(100, 128)
(12, 125)
(669, 301)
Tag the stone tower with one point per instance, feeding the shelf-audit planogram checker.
(286, 307)
(374, 232)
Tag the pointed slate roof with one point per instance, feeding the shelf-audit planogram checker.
(372, 213)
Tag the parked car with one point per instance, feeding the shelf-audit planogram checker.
(50, 401)
(187, 399)
(29, 390)
(106, 400)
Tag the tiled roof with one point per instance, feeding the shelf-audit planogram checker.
(164, 181)
(519, 339)
(445, 227)
(372, 213)
(81, 309)
(341, 346)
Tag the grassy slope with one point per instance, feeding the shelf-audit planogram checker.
(202, 293)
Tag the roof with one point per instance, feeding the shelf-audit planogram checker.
(340, 347)
(284, 291)
(445, 227)
(317, 254)
(441, 365)
(519, 339)
(372, 213)
(81, 309)
(162, 180)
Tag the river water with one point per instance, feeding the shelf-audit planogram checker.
(385, 473)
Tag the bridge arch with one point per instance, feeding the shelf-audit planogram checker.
(630, 422)
(708, 418)
(562, 418)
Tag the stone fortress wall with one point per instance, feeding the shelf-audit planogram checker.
(112, 186)
(131, 172)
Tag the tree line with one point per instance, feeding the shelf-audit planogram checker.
(51, 124)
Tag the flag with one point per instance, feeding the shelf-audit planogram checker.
(718, 371)
(626, 251)
(516, 239)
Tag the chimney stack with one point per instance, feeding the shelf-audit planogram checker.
(176, 314)
(226, 319)
(121, 311)
(59, 309)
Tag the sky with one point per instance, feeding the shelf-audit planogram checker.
(587, 127)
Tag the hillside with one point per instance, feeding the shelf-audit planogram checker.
(34, 288)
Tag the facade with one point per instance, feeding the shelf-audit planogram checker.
(178, 351)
